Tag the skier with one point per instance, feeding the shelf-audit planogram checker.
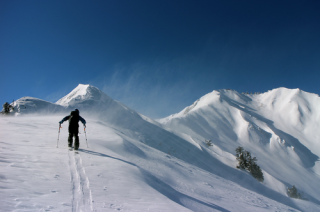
(73, 118)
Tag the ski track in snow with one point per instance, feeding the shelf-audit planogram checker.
(81, 193)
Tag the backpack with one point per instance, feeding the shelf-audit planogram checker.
(73, 122)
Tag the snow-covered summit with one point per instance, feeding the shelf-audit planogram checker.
(280, 100)
(91, 102)
(83, 93)
(280, 127)
(30, 105)
(207, 99)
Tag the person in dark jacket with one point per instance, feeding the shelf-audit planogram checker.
(73, 129)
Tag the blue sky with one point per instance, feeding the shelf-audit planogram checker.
(157, 56)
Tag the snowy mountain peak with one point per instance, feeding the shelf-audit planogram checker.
(278, 99)
(82, 93)
(280, 127)
(205, 100)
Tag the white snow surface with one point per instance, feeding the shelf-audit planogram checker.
(83, 93)
(134, 163)
(31, 105)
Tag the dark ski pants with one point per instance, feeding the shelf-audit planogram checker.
(76, 140)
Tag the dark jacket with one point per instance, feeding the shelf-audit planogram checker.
(73, 119)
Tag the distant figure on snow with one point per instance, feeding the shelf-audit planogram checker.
(73, 118)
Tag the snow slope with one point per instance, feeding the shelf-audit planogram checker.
(135, 164)
(116, 173)
(279, 127)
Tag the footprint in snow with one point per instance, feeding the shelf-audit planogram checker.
(113, 206)
(66, 204)
(49, 208)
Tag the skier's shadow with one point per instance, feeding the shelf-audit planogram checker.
(104, 155)
(161, 186)
(177, 196)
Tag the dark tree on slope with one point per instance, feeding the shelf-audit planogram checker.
(242, 157)
(209, 143)
(256, 172)
(246, 162)
(6, 108)
(293, 192)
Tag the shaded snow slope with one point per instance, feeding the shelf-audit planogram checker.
(116, 172)
(279, 127)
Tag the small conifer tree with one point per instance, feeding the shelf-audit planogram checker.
(293, 192)
(256, 172)
(209, 143)
(246, 162)
(6, 108)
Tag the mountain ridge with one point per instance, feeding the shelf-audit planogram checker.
(277, 126)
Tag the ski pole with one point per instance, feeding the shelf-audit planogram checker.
(84, 128)
(58, 134)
